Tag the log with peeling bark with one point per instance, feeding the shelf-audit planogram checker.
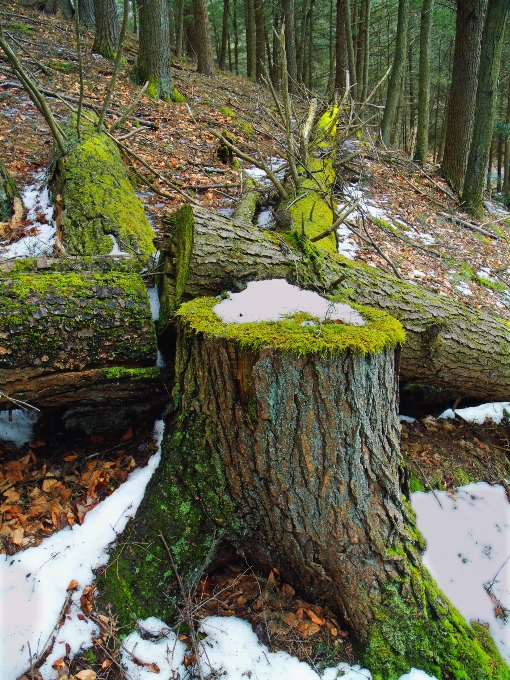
(292, 457)
(448, 344)
(76, 331)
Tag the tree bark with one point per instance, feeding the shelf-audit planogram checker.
(8, 192)
(260, 41)
(224, 35)
(422, 132)
(485, 108)
(87, 16)
(64, 9)
(462, 99)
(107, 28)
(295, 460)
(448, 344)
(153, 61)
(289, 17)
(394, 85)
(251, 39)
(72, 329)
(203, 38)
(342, 67)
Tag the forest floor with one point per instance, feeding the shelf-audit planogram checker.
(409, 212)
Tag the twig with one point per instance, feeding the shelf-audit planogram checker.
(32, 661)
(125, 114)
(469, 225)
(17, 402)
(23, 49)
(425, 478)
(340, 219)
(374, 244)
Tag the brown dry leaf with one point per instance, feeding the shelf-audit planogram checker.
(17, 536)
(59, 664)
(288, 590)
(309, 629)
(12, 495)
(153, 667)
(72, 585)
(36, 445)
(87, 674)
(71, 457)
(51, 484)
(316, 619)
(290, 619)
(106, 663)
(125, 437)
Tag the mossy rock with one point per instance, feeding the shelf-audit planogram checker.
(97, 199)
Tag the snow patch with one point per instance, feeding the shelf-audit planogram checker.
(154, 302)
(406, 419)
(274, 299)
(20, 428)
(347, 246)
(494, 411)
(33, 583)
(116, 248)
(36, 201)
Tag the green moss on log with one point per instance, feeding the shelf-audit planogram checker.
(434, 638)
(289, 335)
(98, 199)
(62, 320)
(8, 192)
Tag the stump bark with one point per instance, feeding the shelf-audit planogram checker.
(448, 344)
(292, 455)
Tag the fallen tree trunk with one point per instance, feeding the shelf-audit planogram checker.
(448, 344)
(293, 457)
(75, 336)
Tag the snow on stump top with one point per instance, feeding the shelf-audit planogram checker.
(275, 314)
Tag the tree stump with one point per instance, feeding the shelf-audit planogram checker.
(284, 440)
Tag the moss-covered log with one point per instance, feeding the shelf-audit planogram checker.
(293, 456)
(8, 192)
(448, 344)
(94, 198)
(68, 336)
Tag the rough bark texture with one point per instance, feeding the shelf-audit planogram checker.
(394, 84)
(203, 38)
(8, 192)
(289, 16)
(107, 28)
(448, 344)
(296, 461)
(68, 335)
(485, 109)
(153, 61)
(461, 102)
(87, 16)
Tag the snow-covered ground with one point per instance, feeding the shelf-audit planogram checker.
(274, 299)
(37, 203)
(468, 545)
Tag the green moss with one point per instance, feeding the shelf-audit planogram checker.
(289, 335)
(98, 199)
(245, 127)
(415, 625)
(8, 192)
(227, 112)
(120, 373)
(70, 303)
(177, 97)
(63, 66)
(415, 484)
(22, 28)
(461, 477)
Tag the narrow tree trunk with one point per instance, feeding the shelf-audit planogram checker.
(64, 9)
(107, 28)
(461, 103)
(448, 344)
(236, 40)
(392, 96)
(485, 109)
(153, 61)
(251, 39)
(490, 164)
(203, 38)
(302, 42)
(506, 181)
(86, 11)
(289, 17)
(224, 35)
(179, 28)
(260, 40)
(294, 459)
(342, 64)
(8, 192)
(134, 11)
(422, 132)
(500, 163)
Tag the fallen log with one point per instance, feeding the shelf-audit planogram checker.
(285, 444)
(448, 344)
(75, 336)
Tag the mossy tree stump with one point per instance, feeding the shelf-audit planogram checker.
(284, 442)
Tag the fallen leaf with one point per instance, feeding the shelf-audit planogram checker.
(59, 664)
(316, 619)
(87, 674)
(72, 585)
(125, 437)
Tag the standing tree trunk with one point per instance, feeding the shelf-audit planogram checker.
(251, 41)
(86, 11)
(224, 35)
(153, 61)
(342, 64)
(107, 28)
(422, 132)
(289, 16)
(485, 110)
(179, 28)
(293, 457)
(461, 102)
(8, 192)
(64, 9)
(260, 40)
(394, 85)
(203, 38)
(506, 153)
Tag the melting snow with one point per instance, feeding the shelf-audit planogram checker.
(275, 299)
(37, 203)
(116, 248)
(33, 583)
(468, 546)
(494, 411)
(20, 429)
